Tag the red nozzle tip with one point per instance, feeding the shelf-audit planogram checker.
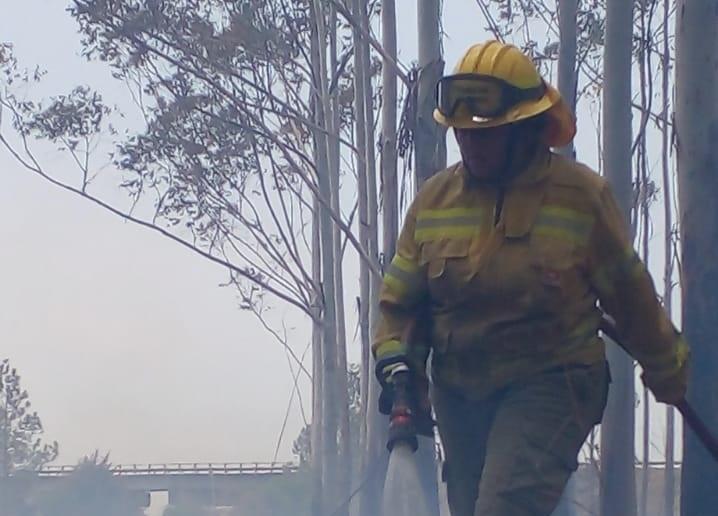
(401, 419)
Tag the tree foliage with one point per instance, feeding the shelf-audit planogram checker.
(90, 490)
(245, 111)
(21, 444)
(533, 25)
(225, 158)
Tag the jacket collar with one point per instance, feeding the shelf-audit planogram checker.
(530, 172)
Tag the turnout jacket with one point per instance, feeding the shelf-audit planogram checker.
(506, 281)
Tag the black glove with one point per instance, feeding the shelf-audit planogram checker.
(401, 419)
(408, 417)
(423, 421)
(383, 371)
(386, 399)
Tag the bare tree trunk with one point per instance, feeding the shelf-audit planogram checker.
(364, 273)
(389, 158)
(618, 487)
(567, 14)
(331, 383)
(430, 137)
(697, 152)
(430, 155)
(375, 450)
(643, 208)
(317, 369)
(669, 484)
(373, 431)
(646, 397)
(645, 474)
(345, 466)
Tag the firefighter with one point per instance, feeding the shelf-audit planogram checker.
(508, 261)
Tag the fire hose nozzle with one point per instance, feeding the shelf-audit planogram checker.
(401, 419)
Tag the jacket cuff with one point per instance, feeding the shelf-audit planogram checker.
(389, 355)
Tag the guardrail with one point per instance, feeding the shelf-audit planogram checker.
(183, 468)
(209, 468)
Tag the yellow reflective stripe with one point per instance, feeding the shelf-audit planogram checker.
(395, 286)
(402, 275)
(458, 232)
(389, 348)
(447, 223)
(448, 213)
(404, 264)
(564, 223)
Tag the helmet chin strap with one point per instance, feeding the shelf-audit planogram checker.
(509, 170)
(515, 154)
(518, 153)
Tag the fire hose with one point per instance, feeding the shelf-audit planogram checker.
(690, 416)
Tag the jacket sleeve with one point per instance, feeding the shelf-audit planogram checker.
(403, 292)
(626, 292)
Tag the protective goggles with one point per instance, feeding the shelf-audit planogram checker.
(485, 96)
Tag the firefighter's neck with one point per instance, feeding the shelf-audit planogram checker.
(503, 172)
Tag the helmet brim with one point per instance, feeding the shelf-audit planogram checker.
(560, 130)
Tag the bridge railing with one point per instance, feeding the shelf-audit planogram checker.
(184, 468)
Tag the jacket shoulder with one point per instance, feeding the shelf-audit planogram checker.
(438, 186)
(576, 180)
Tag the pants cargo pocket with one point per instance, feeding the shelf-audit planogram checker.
(581, 402)
(537, 436)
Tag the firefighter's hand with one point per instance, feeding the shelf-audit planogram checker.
(416, 398)
(421, 416)
(386, 369)
(669, 388)
(384, 374)
(386, 399)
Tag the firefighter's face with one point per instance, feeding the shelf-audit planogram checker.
(484, 151)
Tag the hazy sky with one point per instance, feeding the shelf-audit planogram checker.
(124, 340)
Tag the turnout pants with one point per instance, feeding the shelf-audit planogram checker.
(512, 454)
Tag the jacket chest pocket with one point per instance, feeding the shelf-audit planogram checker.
(447, 266)
(556, 272)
